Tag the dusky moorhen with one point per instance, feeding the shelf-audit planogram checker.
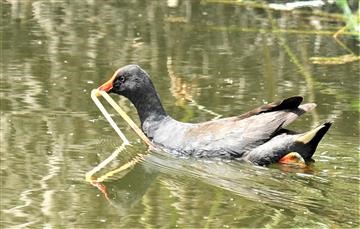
(257, 136)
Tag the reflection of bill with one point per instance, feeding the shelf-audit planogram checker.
(124, 192)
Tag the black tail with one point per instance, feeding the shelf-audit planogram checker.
(311, 139)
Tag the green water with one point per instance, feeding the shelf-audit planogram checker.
(205, 59)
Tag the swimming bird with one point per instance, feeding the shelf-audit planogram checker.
(258, 136)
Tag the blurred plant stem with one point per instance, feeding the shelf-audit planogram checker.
(353, 26)
(352, 23)
(303, 69)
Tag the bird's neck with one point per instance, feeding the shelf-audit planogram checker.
(148, 106)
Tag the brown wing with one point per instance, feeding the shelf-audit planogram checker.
(249, 130)
(289, 103)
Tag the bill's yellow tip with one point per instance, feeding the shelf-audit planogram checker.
(97, 92)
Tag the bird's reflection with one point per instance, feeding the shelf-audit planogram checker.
(274, 185)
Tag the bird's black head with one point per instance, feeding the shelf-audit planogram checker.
(135, 84)
(128, 81)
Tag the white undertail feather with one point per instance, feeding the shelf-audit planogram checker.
(308, 136)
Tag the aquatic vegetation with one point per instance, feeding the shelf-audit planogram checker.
(352, 21)
(335, 60)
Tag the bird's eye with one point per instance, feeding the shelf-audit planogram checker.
(122, 79)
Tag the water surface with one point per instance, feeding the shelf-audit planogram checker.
(207, 59)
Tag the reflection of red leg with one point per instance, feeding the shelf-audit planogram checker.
(101, 187)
